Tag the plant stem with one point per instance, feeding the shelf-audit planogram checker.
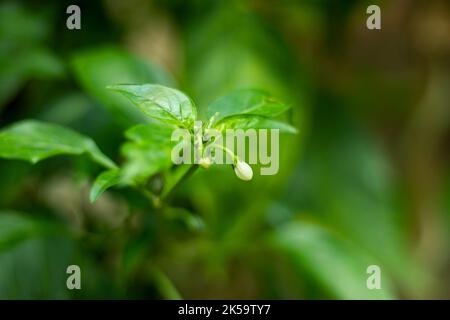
(228, 151)
(178, 181)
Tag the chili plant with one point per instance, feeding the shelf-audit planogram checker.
(147, 151)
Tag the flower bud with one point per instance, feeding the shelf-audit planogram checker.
(243, 170)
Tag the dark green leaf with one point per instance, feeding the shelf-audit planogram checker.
(34, 140)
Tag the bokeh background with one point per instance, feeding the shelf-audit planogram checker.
(366, 181)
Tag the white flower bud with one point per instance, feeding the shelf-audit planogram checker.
(243, 170)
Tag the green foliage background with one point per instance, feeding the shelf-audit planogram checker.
(365, 181)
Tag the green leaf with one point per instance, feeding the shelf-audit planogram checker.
(245, 101)
(105, 180)
(33, 141)
(148, 151)
(255, 122)
(337, 265)
(159, 102)
(97, 68)
(143, 160)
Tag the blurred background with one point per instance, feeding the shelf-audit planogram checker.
(365, 182)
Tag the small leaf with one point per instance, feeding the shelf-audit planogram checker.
(245, 101)
(35, 140)
(159, 102)
(105, 180)
(255, 122)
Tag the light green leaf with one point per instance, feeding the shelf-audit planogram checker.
(148, 151)
(105, 180)
(245, 101)
(143, 160)
(338, 266)
(97, 68)
(33, 141)
(255, 122)
(159, 102)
